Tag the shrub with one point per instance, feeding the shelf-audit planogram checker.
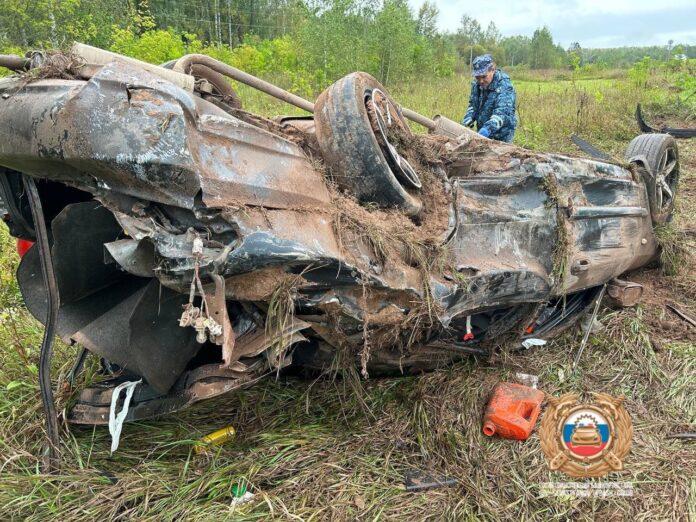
(157, 46)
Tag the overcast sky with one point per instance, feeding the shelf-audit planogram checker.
(593, 23)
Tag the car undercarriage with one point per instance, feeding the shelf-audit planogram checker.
(200, 247)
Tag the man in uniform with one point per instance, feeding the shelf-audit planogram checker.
(492, 101)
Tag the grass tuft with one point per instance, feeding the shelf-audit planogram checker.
(674, 248)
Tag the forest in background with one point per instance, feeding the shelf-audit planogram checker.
(304, 44)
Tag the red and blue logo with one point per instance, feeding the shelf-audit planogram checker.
(586, 432)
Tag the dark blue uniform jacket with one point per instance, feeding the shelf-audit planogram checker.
(493, 107)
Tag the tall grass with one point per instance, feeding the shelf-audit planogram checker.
(549, 111)
(600, 108)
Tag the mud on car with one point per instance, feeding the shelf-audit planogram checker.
(199, 247)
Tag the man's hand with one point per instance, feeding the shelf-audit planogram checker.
(485, 132)
(468, 122)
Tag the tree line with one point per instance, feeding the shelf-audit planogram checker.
(308, 41)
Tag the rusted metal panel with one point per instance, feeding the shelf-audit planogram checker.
(245, 165)
(144, 137)
(513, 215)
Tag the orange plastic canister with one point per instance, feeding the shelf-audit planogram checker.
(512, 411)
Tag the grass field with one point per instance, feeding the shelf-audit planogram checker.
(338, 448)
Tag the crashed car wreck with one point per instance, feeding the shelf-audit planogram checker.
(199, 247)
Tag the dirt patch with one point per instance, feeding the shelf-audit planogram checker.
(258, 285)
(658, 291)
(394, 238)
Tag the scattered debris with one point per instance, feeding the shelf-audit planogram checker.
(528, 380)
(624, 293)
(241, 494)
(528, 343)
(420, 481)
(588, 330)
(246, 497)
(76, 368)
(690, 435)
(50, 320)
(677, 133)
(512, 411)
(215, 438)
(590, 149)
(116, 419)
(468, 336)
(680, 313)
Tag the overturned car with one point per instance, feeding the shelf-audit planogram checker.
(198, 247)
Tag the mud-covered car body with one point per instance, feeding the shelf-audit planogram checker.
(200, 247)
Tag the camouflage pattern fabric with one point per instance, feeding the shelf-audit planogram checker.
(481, 65)
(493, 107)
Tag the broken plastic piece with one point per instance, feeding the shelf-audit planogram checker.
(677, 133)
(512, 411)
(116, 420)
(420, 481)
(528, 343)
(527, 379)
(683, 436)
(23, 245)
(246, 497)
(241, 493)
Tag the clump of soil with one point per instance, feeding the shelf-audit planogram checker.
(258, 285)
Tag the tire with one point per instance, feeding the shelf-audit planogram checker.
(657, 157)
(350, 148)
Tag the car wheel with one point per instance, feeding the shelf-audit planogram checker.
(354, 120)
(657, 158)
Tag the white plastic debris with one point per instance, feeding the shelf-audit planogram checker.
(246, 497)
(197, 249)
(528, 343)
(527, 379)
(116, 420)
